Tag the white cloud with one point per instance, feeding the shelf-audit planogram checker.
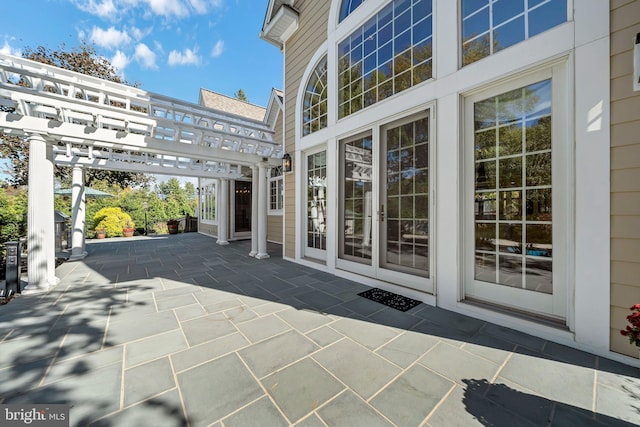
(168, 8)
(188, 57)
(217, 49)
(101, 8)
(120, 61)
(145, 56)
(109, 38)
(8, 50)
(115, 10)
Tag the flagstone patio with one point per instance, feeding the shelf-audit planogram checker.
(176, 330)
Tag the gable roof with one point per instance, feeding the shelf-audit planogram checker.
(274, 108)
(231, 105)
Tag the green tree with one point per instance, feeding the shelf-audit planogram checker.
(83, 59)
(240, 95)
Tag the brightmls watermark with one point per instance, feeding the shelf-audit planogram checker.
(34, 415)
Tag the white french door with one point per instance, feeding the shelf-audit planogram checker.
(516, 195)
(316, 205)
(385, 213)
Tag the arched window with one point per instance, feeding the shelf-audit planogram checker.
(314, 114)
(347, 7)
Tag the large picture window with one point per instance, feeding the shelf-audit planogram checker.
(489, 26)
(314, 113)
(391, 52)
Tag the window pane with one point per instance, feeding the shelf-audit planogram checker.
(504, 10)
(315, 99)
(488, 27)
(356, 161)
(523, 206)
(547, 16)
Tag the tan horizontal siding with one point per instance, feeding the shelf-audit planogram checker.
(625, 172)
(299, 49)
(274, 228)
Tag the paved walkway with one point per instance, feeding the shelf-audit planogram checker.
(176, 330)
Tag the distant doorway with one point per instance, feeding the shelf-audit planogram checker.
(242, 209)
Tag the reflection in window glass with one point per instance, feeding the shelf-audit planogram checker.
(316, 200)
(489, 26)
(356, 220)
(513, 191)
(208, 202)
(347, 7)
(276, 189)
(391, 52)
(314, 111)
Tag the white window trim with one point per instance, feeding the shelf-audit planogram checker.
(271, 211)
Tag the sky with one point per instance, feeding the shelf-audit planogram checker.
(170, 47)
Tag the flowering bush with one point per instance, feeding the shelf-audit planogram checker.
(633, 331)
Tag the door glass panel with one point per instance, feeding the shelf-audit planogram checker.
(513, 220)
(243, 206)
(356, 162)
(316, 200)
(406, 246)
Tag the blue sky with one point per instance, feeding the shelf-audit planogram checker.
(172, 47)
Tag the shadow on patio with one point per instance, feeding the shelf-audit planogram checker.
(170, 330)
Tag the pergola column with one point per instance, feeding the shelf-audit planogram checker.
(40, 221)
(262, 212)
(255, 186)
(78, 207)
(223, 213)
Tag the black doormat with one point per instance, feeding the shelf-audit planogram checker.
(390, 299)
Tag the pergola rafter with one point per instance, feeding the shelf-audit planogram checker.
(81, 121)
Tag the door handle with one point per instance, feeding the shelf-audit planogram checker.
(381, 213)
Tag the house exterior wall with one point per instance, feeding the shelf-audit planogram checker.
(625, 172)
(274, 228)
(576, 53)
(299, 49)
(209, 229)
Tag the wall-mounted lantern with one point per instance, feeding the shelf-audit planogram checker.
(287, 165)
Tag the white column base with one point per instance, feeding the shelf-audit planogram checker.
(262, 256)
(222, 242)
(253, 253)
(32, 288)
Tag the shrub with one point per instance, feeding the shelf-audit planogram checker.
(111, 220)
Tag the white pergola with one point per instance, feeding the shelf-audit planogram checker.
(80, 121)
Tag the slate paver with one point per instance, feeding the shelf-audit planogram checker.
(264, 327)
(407, 348)
(349, 410)
(363, 371)
(301, 388)
(369, 334)
(457, 364)
(208, 351)
(215, 389)
(410, 398)
(274, 353)
(261, 412)
(207, 328)
(552, 379)
(156, 346)
(144, 381)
